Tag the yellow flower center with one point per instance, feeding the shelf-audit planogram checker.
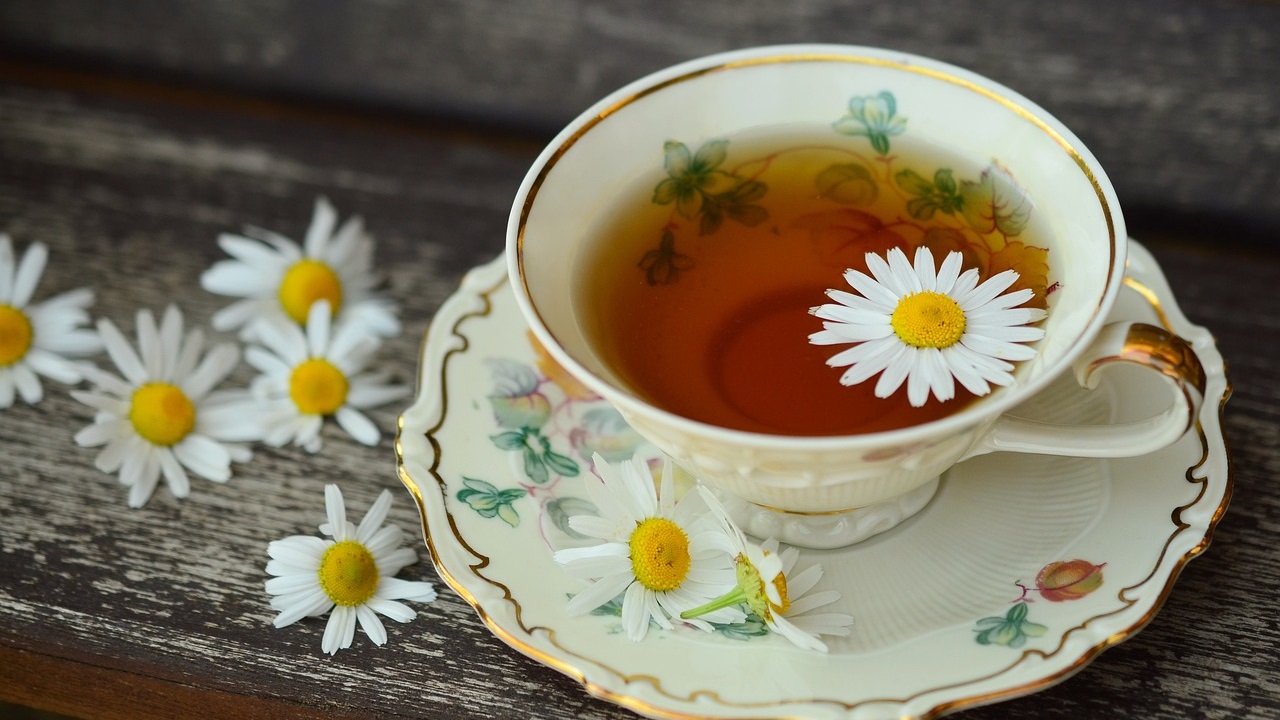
(306, 282)
(317, 387)
(660, 554)
(348, 574)
(928, 320)
(15, 335)
(161, 413)
(752, 586)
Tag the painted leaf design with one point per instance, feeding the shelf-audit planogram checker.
(512, 440)
(511, 379)
(1032, 265)
(842, 238)
(995, 203)
(488, 501)
(531, 411)
(561, 509)
(509, 515)
(943, 241)
(847, 184)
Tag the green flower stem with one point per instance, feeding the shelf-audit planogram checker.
(734, 597)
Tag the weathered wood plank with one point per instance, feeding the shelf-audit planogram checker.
(1176, 97)
(131, 194)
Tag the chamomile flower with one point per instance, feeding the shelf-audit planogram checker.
(280, 280)
(352, 573)
(660, 555)
(37, 338)
(164, 417)
(309, 376)
(776, 594)
(927, 328)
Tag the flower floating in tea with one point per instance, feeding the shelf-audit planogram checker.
(928, 328)
(352, 573)
(661, 556)
(164, 417)
(774, 594)
(308, 376)
(277, 279)
(37, 338)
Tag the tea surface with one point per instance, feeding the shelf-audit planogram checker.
(697, 286)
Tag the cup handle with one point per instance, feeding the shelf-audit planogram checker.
(1122, 342)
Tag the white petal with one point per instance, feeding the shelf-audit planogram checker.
(335, 509)
(635, 612)
(919, 379)
(101, 432)
(310, 605)
(870, 289)
(925, 270)
(292, 583)
(987, 291)
(149, 347)
(857, 302)
(964, 372)
(896, 371)
(360, 427)
(340, 630)
(215, 368)
(843, 314)
(371, 625)
(179, 483)
(204, 457)
(323, 218)
(6, 269)
(26, 383)
(390, 588)
(374, 517)
(112, 456)
(367, 395)
(318, 319)
(28, 274)
(598, 593)
(395, 610)
(948, 273)
(122, 353)
(997, 348)
(903, 273)
(140, 490)
(6, 388)
(238, 314)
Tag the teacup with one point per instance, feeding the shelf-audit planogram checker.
(832, 491)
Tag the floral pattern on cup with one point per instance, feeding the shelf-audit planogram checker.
(981, 217)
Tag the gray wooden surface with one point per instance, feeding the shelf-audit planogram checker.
(111, 612)
(1177, 98)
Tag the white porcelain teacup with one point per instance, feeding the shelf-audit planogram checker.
(832, 491)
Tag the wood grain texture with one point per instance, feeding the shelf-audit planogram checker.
(161, 611)
(1177, 98)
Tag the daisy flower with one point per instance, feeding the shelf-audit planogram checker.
(660, 555)
(308, 376)
(278, 279)
(163, 417)
(352, 573)
(35, 337)
(776, 594)
(927, 328)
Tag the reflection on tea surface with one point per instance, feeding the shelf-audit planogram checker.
(696, 285)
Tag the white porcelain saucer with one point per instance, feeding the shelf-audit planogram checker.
(1015, 575)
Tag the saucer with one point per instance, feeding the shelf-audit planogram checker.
(1019, 570)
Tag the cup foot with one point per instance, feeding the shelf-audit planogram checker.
(826, 531)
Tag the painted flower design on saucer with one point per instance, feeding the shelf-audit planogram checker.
(38, 338)
(929, 328)
(163, 417)
(768, 586)
(352, 573)
(663, 557)
(308, 376)
(277, 279)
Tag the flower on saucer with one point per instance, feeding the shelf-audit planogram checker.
(775, 594)
(352, 573)
(660, 555)
(279, 279)
(308, 376)
(164, 417)
(37, 338)
(927, 328)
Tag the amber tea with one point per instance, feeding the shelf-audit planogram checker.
(696, 285)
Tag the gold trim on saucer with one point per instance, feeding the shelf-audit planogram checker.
(807, 513)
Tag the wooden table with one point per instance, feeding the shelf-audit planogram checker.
(131, 137)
